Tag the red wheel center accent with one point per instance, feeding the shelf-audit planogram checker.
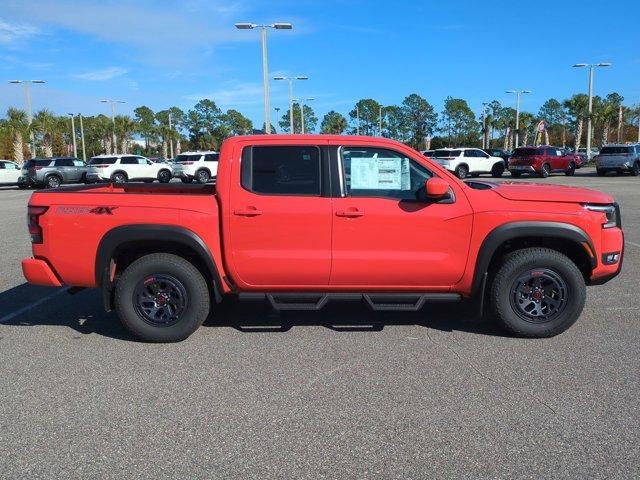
(161, 300)
(537, 295)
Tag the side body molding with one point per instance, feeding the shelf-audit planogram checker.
(115, 238)
(510, 231)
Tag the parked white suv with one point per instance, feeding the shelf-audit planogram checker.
(122, 168)
(468, 162)
(201, 166)
(9, 173)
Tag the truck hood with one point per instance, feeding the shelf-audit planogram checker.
(538, 192)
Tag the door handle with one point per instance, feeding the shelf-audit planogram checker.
(350, 213)
(247, 212)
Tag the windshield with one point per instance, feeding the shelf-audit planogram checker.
(103, 160)
(187, 158)
(615, 150)
(527, 152)
(446, 153)
(36, 163)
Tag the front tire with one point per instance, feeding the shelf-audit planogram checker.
(119, 177)
(164, 176)
(571, 170)
(545, 171)
(162, 298)
(635, 170)
(600, 172)
(537, 293)
(497, 170)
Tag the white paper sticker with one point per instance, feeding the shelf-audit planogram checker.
(380, 174)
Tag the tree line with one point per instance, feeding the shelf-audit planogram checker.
(414, 122)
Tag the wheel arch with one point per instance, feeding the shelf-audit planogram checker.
(120, 246)
(563, 237)
(119, 171)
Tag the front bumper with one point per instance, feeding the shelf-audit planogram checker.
(38, 272)
(612, 241)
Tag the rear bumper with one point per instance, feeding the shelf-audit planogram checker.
(38, 272)
(521, 168)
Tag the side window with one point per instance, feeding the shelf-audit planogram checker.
(78, 163)
(128, 161)
(377, 172)
(282, 170)
(64, 162)
(211, 157)
(481, 154)
(143, 161)
(469, 153)
(550, 151)
(3, 165)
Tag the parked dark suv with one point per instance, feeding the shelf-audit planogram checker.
(52, 172)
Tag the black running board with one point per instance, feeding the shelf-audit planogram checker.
(390, 302)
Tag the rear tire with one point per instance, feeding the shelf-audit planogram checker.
(53, 181)
(162, 298)
(462, 171)
(545, 171)
(537, 293)
(202, 176)
(119, 177)
(635, 170)
(601, 173)
(497, 170)
(571, 170)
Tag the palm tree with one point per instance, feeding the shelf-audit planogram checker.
(45, 125)
(527, 120)
(125, 128)
(18, 127)
(577, 107)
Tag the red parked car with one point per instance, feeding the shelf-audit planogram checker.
(300, 220)
(542, 161)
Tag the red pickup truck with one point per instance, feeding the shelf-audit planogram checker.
(300, 220)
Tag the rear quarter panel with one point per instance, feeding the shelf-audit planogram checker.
(72, 232)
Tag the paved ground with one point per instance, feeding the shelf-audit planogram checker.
(254, 395)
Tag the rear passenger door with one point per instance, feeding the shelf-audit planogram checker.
(64, 167)
(279, 217)
(130, 166)
(211, 162)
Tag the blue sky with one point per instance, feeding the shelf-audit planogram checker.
(173, 52)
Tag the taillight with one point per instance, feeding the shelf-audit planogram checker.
(33, 222)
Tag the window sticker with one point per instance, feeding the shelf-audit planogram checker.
(380, 173)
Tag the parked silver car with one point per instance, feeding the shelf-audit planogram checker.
(52, 172)
(619, 158)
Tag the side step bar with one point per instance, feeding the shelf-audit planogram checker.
(406, 302)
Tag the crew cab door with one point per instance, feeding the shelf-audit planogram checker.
(386, 233)
(279, 216)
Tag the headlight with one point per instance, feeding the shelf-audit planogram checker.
(611, 213)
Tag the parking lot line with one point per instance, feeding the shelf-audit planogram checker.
(26, 308)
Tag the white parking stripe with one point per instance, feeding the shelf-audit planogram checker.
(26, 308)
(633, 243)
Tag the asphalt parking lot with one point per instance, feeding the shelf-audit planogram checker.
(343, 393)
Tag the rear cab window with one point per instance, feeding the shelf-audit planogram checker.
(282, 170)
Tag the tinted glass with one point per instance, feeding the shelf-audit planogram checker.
(103, 160)
(64, 162)
(10, 166)
(36, 163)
(283, 171)
(78, 163)
(187, 158)
(129, 161)
(528, 152)
(377, 172)
(211, 157)
(469, 153)
(446, 153)
(2, 165)
(615, 150)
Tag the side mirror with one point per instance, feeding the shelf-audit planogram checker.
(436, 188)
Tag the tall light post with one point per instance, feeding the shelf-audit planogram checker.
(301, 103)
(291, 80)
(277, 110)
(357, 119)
(170, 136)
(380, 120)
(113, 119)
(73, 135)
(27, 104)
(518, 93)
(84, 152)
(265, 68)
(591, 68)
(484, 125)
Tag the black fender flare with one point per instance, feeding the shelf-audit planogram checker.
(118, 236)
(514, 230)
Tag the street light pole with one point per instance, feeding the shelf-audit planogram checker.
(277, 110)
(357, 119)
(27, 103)
(84, 153)
(484, 125)
(518, 93)
(73, 135)
(265, 68)
(380, 121)
(291, 80)
(170, 137)
(113, 119)
(589, 127)
(301, 104)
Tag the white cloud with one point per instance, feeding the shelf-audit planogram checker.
(11, 33)
(101, 75)
(234, 94)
